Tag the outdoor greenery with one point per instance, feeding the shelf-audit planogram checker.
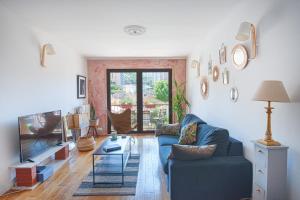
(129, 78)
(161, 90)
(114, 88)
(179, 101)
(127, 101)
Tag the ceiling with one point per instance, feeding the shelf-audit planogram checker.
(95, 27)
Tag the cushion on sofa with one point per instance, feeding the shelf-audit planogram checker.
(164, 152)
(164, 140)
(190, 118)
(191, 152)
(212, 135)
(188, 134)
(168, 129)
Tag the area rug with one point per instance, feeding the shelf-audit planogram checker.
(87, 188)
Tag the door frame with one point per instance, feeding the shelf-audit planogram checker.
(139, 91)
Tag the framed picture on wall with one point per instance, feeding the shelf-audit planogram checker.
(81, 87)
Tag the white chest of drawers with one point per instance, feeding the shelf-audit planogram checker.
(270, 171)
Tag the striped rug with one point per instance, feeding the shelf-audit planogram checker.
(87, 188)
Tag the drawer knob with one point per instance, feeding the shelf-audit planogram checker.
(260, 151)
(260, 171)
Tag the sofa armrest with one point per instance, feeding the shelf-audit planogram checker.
(168, 129)
(222, 178)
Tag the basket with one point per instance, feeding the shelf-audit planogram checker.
(86, 143)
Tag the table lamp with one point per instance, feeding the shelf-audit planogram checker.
(270, 91)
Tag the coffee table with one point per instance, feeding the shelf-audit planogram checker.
(114, 162)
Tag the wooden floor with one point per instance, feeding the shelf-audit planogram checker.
(151, 183)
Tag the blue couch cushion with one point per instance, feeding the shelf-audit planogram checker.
(164, 152)
(164, 140)
(212, 135)
(189, 118)
(235, 147)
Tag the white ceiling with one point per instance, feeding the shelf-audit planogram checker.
(95, 27)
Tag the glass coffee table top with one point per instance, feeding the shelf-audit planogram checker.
(113, 162)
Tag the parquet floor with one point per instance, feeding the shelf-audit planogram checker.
(151, 183)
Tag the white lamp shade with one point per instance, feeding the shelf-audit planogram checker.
(273, 91)
(244, 31)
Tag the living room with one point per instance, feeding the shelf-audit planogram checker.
(227, 129)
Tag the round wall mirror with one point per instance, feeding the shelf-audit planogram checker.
(204, 87)
(215, 73)
(234, 94)
(239, 57)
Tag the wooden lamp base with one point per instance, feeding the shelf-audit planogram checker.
(269, 142)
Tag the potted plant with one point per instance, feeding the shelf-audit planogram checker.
(126, 103)
(179, 101)
(93, 117)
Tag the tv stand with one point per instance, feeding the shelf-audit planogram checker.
(26, 174)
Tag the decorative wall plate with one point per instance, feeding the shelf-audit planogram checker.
(209, 65)
(225, 76)
(234, 94)
(239, 56)
(195, 63)
(222, 54)
(204, 87)
(215, 73)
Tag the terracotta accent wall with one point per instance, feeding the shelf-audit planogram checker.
(97, 88)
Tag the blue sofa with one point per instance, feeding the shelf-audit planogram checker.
(227, 175)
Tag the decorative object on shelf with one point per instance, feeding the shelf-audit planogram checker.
(47, 49)
(204, 87)
(239, 56)
(234, 94)
(114, 136)
(225, 75)
(222, 54)
(270, 91)
(81, 87)
(209, 65)
(180, 103)
(215, 73)
(195, 63)
(246, 29)
(86, 143)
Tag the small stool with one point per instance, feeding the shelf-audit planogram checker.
(93, 130)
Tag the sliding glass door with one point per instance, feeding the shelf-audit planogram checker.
(146, 92)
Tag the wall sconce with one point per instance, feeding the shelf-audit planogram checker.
(246, 29)
(47, 49)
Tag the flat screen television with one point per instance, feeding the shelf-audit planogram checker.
(38, 133)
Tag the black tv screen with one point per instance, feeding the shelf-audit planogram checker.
(38, 133)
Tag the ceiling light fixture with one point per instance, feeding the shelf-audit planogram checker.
(134, 30)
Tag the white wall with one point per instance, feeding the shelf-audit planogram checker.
(278, 58)
(28, 88)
